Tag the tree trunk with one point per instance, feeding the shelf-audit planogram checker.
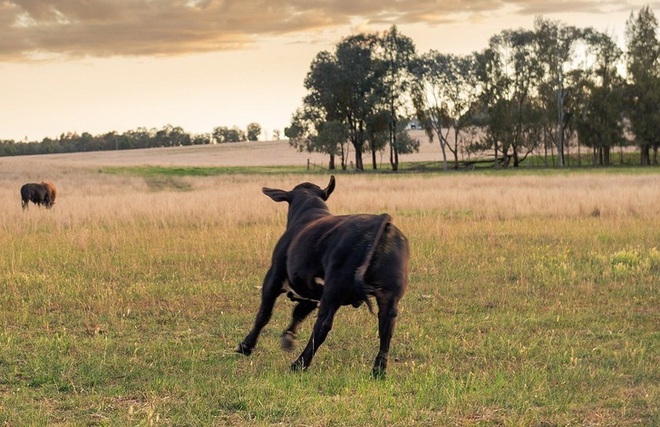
(443, 149)
(505, 157)
(606, 156)
(394, 157)
(560, 121)
(394, 152)
(359, 166)
(645, 155)
(344, 158)
(516, 160)
(552, 154)
(579, 154)
(594, 156)
(455, 150)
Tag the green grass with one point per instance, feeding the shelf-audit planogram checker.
(527, 321)
(159, 177)
(178, 171)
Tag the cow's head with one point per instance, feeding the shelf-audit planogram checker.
(305, 190)
(303, 198)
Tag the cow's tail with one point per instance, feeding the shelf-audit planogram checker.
(363, 288)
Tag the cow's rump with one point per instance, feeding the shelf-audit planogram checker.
(339, 248)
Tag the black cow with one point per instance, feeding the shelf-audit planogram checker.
(39, 194)
(328, 261)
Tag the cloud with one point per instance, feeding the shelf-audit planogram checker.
(79, 28)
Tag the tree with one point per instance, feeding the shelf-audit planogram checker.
(597, 109)
(508, 73)
(178, 136)
(201, 139)
(225, 134)
(309, 132)
(644, 81)
(253, 131)
(446, 90)
(398, 53)
(344, 86)
(379, 134)
(555, 47)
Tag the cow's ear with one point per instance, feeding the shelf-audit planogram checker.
(277, 195)
(330, 188)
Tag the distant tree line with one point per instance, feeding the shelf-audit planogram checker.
(547, 89)
(168, 136)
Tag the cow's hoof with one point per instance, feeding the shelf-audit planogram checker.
(378, 373)
(298, 366)
(288, 341)
(243, 349)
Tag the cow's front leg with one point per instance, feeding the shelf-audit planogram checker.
(321, 328)
(272, 287)
(387, 312)
(302, 310)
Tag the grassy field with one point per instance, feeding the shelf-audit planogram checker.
(533, 300)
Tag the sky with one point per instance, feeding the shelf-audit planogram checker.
(117, 65)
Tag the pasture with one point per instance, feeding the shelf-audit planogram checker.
(533, 300)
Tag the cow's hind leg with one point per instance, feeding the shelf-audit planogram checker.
(322, 326)
(271, 289)
(302, 310)
(387, 312)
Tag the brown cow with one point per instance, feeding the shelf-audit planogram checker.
(43, 193)
(329, 261)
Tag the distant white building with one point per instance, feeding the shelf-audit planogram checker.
(414, 124)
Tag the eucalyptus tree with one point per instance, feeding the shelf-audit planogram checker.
(253, 131)
(398, 55)
(443, 95)
(643, 64)
(345, 86)
(597, 107)
(508, 72)
(379, 134)
(556, 44)
(310, 132)
(171, 136)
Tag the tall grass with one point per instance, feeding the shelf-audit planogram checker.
(533, 300)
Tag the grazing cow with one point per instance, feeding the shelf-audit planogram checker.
(328, 261)
(39, 194)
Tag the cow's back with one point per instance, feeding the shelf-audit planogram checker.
(35, 193)
(336, 248)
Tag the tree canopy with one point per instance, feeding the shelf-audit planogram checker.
(554, 88)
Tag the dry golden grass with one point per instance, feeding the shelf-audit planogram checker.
(86, 194)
